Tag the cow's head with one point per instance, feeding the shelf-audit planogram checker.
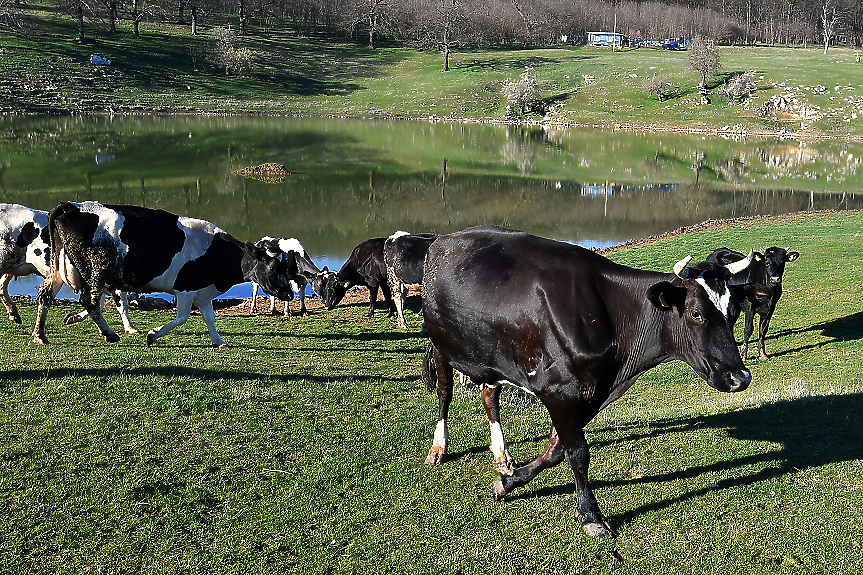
(696, 327)
(271, 273)
(774, 263)
(330, 287)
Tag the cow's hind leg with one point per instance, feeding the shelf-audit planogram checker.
(503, 462)
(7, 301)
(184, 310)
(92, 301)
(444, 372)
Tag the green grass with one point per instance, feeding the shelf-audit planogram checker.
(45, 70)
(300, 449)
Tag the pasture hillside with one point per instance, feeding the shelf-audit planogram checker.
(166, 70)
(300, 449)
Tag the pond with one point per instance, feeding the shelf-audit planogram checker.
(356, 179)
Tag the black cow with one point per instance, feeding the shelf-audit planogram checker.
(760, 285)
(366, 267)
(144, 250)
(404, 256)
(571, 327)
(301, 270)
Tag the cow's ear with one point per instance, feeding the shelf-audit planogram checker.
(254, 251)
(664, 295)
(29, 232)
(791, 256)
(758, 256)
(325, 270)
(347, 285)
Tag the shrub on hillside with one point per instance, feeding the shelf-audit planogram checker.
(739, 87)
(657, 86)
(225, 53)
(524, 92)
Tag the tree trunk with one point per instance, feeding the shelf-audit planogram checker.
(79, 16)
(135, 18)
(445, 52)
(242, 17)
(112, 17)
(194, 10)
(181, 12)
(371, 32)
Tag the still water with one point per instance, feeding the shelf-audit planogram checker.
(353, 180)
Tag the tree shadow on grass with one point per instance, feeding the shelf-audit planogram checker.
(848, 328)
(813, 431)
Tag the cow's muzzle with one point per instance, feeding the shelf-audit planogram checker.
(731, 381)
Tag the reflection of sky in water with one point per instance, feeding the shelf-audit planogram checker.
(30, 285)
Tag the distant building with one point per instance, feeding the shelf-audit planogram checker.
(604, 39)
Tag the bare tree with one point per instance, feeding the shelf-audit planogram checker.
(441, 25)
(703, 58)
(828, 23)
(371, 13)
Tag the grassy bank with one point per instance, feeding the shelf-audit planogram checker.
(44, 70)
(300, 449)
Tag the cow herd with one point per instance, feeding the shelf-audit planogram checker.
(500, 306)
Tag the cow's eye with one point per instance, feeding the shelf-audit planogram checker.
(696, 316)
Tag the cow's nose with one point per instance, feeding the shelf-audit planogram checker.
(775, 280)
(740, 380)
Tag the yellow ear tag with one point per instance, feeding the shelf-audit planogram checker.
(662, 300)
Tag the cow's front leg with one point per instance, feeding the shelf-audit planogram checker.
(577, 452)
(748, 328)
(92, 301)
(121, 299)
(184, 310)
(503, 461)
(444, 371)
(373, 299)
(254, 298)
(523, 475)
(7, 301)
(209, 316)
(762, 334)
(303, 311)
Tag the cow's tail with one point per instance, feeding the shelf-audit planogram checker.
(430, 369)
(54, 242)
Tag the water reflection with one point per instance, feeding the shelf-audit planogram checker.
(352, 180)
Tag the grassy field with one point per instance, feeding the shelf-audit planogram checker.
(300, 449)
(45, 70)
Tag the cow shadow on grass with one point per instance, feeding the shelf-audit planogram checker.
(812, 432)
(848, 328)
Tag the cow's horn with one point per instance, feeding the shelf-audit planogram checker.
(788, 249)
(680, 268)
(740, 265)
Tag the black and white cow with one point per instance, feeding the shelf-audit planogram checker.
(365, 266)
(24, 251)
(404, 255)
(760, 285)
(301, 270)
(95, 246)
(571, 327)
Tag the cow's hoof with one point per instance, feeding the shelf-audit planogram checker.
(504, 465)
(133, 331)
(598, 530)
(40, 340)
(72, 318)
(498, 491)
(764, 357)
(151, 337)
(435, 456)
(14, 319)
(221, 346)
(112, 338)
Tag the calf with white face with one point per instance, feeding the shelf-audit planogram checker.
(301, 270)
(144, 250)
